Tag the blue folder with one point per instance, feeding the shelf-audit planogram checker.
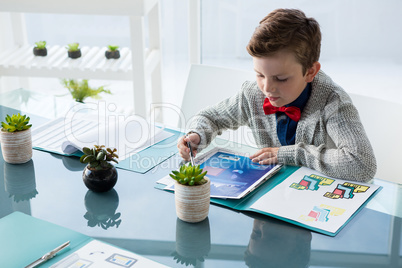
(245, 203)
(24, 239)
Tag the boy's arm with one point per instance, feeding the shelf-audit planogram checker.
(227, 114)
(345, 153)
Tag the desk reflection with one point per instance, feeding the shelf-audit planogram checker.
(193, 242)
(101, 209)
(276, 244)
(71, 163)
(19, 181)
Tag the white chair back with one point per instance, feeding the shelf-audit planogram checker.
(206, 86)
(382, 121)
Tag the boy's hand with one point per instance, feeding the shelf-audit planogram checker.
(184, 151)
(266, 156)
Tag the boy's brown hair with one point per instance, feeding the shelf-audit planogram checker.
(287, 29)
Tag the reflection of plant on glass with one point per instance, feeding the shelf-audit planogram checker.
(19, 181)
(101, 209)
(24, 197)
(103, 221)
(80, 90)
(193, 242)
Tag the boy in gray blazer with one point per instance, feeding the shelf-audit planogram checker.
(297, 114)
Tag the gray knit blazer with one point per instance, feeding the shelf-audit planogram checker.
(329, 137)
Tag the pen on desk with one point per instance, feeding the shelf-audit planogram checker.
(191, 153)
(48, 255)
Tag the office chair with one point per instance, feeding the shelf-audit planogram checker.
(207, 85)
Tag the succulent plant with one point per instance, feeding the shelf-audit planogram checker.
(16, 122)
(113, 47)
(73, 47)
(99, 157)
(189, 175)
(81, 90)
(41, 44)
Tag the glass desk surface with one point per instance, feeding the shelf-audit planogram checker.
(138, 217)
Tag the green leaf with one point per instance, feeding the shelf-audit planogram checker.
(87, 151)
(82, 158)
(100, 156)
(201, 176)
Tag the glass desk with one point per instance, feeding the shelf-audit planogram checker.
(138, 217)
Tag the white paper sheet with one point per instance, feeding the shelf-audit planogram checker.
(66, 136)
(316, 203)
(99, 254)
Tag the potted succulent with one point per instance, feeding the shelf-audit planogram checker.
(99, 175)
(40, 49)
(80, 90)
(16, 140)
(74, 50)
(112, 52)
(192, 193)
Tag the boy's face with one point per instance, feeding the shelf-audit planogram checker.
(280, 77)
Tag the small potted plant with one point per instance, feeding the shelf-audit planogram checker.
(80, 90)
(99, 175)
(40, 49)
(74, 50)
(192, 193)
(112, 52)
(16, 140)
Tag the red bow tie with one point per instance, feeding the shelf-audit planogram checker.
(292, 111)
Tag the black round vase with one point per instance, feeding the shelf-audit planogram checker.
(100, 180)
(112, 54)
(74, 54)
(39, 51)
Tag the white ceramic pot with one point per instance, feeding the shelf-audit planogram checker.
(192, 202)
(16, 146)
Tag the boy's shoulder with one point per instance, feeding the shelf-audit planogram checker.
(251, 91)
(324, 88)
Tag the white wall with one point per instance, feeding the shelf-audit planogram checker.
(361, 39)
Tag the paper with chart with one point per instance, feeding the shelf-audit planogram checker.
(68, 135)
(99, 254)
(313, 199)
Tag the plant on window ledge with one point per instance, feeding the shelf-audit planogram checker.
(80, 90)
(40, 49)
(74, 50)
(112, 52)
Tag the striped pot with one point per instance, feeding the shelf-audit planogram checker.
(16, 146)
(192, 202)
